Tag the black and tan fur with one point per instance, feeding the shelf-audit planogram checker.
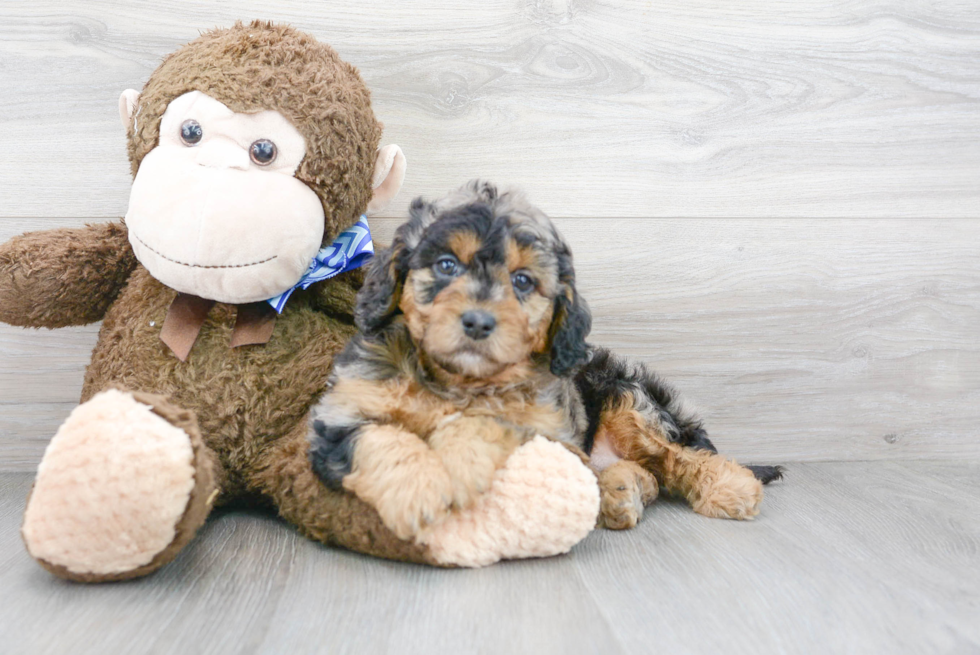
(458, 364)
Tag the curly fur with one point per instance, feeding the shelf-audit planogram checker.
(422, 409)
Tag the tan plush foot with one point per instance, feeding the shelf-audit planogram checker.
(122, 487)
(727, 490)
(543, 502)
(626, 488)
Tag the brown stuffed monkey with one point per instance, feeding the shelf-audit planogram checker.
(251, 148)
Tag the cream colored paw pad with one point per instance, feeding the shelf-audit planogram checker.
(113, 484)
(541, 504)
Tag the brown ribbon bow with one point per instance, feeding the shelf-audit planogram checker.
(186, 316)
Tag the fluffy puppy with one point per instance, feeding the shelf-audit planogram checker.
(472, 340)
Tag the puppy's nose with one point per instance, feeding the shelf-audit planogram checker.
(478, 324)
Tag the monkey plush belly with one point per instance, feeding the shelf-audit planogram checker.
(245, 398)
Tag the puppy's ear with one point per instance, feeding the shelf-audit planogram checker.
(570, 326)
(571, 320)
(377, 301)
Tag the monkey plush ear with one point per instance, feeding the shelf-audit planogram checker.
(127, 103)
(389, 173)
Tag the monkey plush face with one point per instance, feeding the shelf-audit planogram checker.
(215, 210)
(251, 147)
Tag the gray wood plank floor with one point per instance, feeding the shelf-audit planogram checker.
(845, 558)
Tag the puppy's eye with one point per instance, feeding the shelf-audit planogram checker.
(522, 282)
(191, 132)
(447, 266)
(263, 152)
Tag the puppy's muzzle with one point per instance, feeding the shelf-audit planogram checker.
(478, 324)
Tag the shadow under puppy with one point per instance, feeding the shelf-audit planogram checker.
(472, 341)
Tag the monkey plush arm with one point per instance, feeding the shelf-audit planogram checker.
(63, 277)
(336, 296)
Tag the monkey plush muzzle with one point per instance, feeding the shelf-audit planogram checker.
(215, 210)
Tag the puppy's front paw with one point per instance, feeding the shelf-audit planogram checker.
(392, 470)
(728, 491)
(471, 472)
(408, 500)
(472, 449)
(625, 487)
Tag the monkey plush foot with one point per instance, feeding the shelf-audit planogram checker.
(543, 502)
(123, 486)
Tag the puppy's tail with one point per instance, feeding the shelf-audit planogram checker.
(767, 474)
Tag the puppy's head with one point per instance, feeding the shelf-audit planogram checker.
(485, 284)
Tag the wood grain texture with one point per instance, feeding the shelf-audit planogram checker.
(600, 108)
(795, 340)
(845, 558)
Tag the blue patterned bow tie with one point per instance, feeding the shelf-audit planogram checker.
(352, 249)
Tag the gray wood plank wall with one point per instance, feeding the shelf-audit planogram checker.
(772, 203)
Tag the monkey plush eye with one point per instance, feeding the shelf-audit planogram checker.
(522, 282)
(447, 266)
(263, 152)
(191, 132)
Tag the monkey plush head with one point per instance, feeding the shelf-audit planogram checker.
(251, 147)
